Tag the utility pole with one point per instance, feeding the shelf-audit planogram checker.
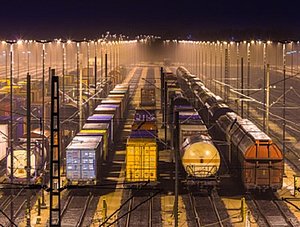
(106, 75)
(77, 74)
(242, 87)
(88, 67)
(101, 63)
(210, 69)
(176, 150)
(28, 167)
(166, 110)
(265, 107)
(162, 84)
(95, 68)
(226, 75)
(43, 205)
(221, 69)
(80, 96)
(55, 211)
(284, 90)
(215, 84)
(237, 71)
(202, 65)
(11, 135)
(267, 98)
(63, 71)
(248, 78)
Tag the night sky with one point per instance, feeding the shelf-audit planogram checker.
(226, 20)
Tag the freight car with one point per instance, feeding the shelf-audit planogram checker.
(199, 157)
(38, 157)
(141, 150)
(84, 160)
(259, 160)
(251, 153)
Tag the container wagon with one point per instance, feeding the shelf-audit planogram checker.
(83, 160)
(141, 150)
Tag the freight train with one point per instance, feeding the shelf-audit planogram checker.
(89, 150)
(141, 145)
(39, 152)
(199, 157)
(251, 153)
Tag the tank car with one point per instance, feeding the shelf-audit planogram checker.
(200, 158)
(38, 157)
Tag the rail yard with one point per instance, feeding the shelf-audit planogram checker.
(106, 133)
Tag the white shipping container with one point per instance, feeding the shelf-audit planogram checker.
(3, 140)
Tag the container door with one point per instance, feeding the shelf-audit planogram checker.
(88, 167)
(133, 162)
(150, 163)
(276, 174)
(262, 174)
(73, 164)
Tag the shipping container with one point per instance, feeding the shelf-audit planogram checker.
(110, 109)
(108, 101)
(98, 132)
(83, 160)
(119, 98)
(104, 118)
(119, 91)
(148, 97)
(141, 160)
(36, 137)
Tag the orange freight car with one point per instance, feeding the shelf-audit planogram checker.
(259, 160)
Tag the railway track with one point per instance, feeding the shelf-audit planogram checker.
(19, 203)
(74, 210)
(205, 210)
(271, 212)
(140, 211)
